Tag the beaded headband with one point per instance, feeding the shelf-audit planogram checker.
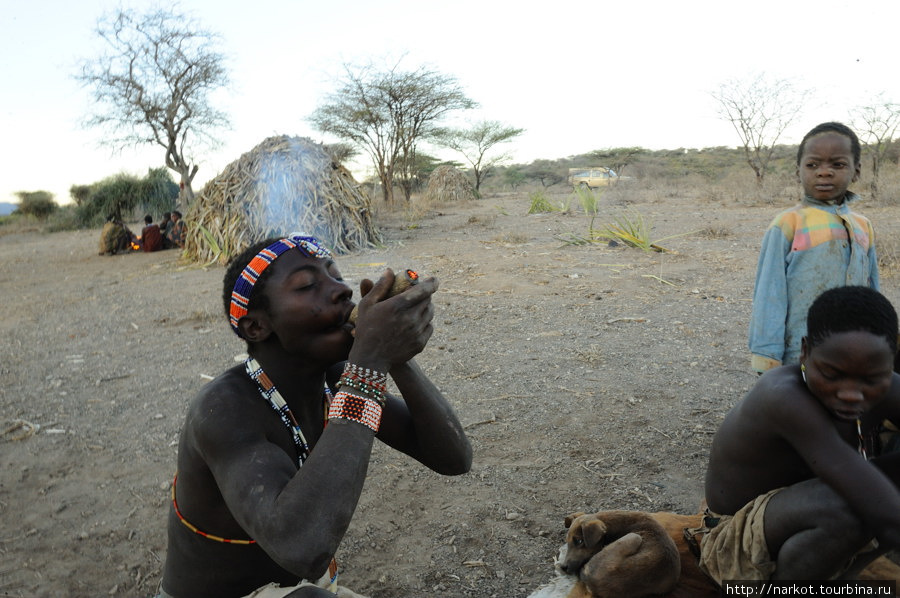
(243, 287)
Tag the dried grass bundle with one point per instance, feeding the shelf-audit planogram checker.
(282, 185)
(448, 184)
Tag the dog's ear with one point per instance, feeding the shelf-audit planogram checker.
(571, 518)
(593, 532)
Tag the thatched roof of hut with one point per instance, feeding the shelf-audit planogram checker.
(284, 184)
(449, 184)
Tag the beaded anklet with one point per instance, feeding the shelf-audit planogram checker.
(355, 408)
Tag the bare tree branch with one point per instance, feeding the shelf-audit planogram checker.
(152, 85)
(759, 109)
(876, 124)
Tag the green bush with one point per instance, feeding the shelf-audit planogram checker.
(589, 198)
(540, 203)
(65, 218)
(39, 204)
(125, 196)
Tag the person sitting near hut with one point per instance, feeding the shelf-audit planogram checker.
(175, 232)
(114, 237)
(794, 487)
(151, 237)
(271, 462)
(165, 226)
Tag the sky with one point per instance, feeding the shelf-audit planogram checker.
(576, 75)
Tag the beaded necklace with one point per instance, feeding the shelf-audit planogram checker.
(862, 440)
(273, 397)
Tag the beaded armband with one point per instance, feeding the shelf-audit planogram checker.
(355, 408)
(370, 382)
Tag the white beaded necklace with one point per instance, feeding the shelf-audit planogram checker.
(273, 397)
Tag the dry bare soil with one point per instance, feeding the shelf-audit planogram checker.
(588, 377)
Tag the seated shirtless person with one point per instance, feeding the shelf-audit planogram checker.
(792, 478)
(270, 464)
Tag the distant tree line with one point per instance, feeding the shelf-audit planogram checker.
(122, 196)
(712, 164)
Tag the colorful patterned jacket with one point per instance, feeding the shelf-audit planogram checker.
(805, 251)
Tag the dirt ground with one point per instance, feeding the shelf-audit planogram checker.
(588, 377)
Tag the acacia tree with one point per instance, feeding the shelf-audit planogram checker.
(876, 125)
(386, 114)
(547, 172)
(619, 157)
(475, 142)
(152, 85)
(759, 109)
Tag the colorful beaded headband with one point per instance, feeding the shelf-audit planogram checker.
(243, 287)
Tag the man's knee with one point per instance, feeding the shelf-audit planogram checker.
(815, 510)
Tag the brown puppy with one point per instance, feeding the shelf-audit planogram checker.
(620, 553)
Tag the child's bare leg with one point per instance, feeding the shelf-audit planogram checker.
(811, 532)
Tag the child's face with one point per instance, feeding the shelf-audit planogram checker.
(849, 372)
(827, 168)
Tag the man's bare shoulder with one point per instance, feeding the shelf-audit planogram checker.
(772, 408)
(779, 389)
(225, 405)
(224, 387)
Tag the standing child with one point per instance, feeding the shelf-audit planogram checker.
(817, 245)
(793, 487)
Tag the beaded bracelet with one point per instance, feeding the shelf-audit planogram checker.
(376, 391)
(357, 409)
(371, 382)
(373, 377)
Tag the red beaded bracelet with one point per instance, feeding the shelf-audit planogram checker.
(355, 408)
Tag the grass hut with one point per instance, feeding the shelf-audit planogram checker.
(448, 184)
(284, 184)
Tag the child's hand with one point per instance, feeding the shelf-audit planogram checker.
(392, 330)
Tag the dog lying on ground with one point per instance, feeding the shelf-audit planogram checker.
(620, 553)
(692, 583)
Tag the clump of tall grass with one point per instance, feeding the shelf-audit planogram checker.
(633, 230)
(541, 204)
(589, 199)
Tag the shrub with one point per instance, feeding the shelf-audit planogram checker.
(39, 204)
(632, 230)
(589, 198)
(65, 218)
(541, 204)
(124, 195)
